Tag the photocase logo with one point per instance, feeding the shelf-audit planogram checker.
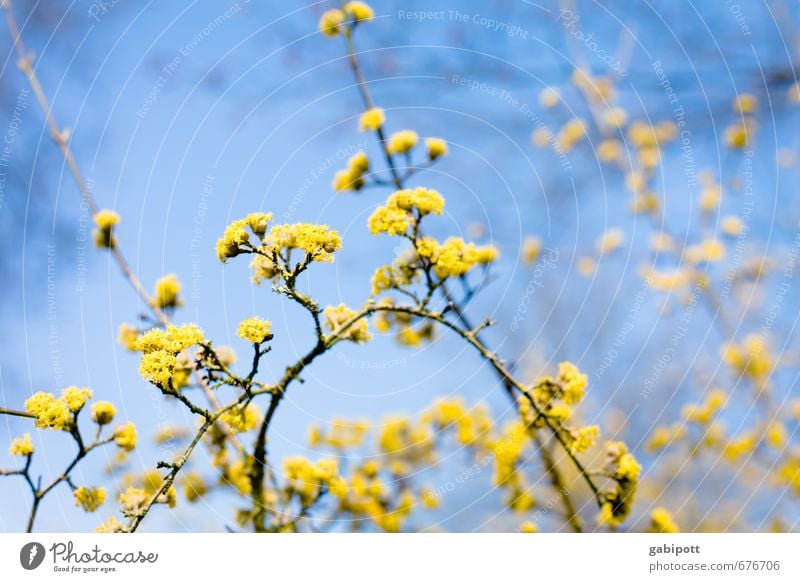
(31, 555)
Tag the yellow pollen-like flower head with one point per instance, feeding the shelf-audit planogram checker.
(331, 22)
(255, 330)
(103, 412)
(372, 119)
(402, 142)
(22, 446)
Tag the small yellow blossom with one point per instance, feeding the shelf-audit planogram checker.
(402, 142)
(661, 521)
(105, 220)
(22, 446)
(610, 241)
(127, 336)
(372, 119)
(745, 103)
(125, 436)
(732, 225)
(531, 248)
(331, 21)
(50, 412)
(242, 418)
(103, 412)
(90, 498)
(336, 317)
(167, 292)
(359, 11)
(549, 97)
(528, 527)
(437, 147)
(75, 397)
(255, 330)
(158, 367)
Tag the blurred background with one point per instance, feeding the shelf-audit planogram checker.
(185, 116)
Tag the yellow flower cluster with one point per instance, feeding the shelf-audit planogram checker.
(437, 148)
(709, 250)
(402, 142)
(103, 412)
(664, 436)
(90, 498)
(352, 177)
(703, 414)
(236, 235)
(331, 22)
(22, 446)
(255, 330)
(167, 292)
(407, 332)
(455, 257)
(343, 434)
(336, 317)
(750, 358)
(358, 11)
(160, 349)
(127, 336)
(125, 436)
(471, 426)
(105, 220)
(57, 413)
(307, 480)
(508, 450)
(242, 418)
(399, 212)
(194, 487)
(372, 119)
(317, 240)
(622, 467)
(661, 521)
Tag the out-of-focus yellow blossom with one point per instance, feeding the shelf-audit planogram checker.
(167, 292)
(702, 414)
(583, 439)
(528, 527)
(789, 473)
(105, 220)
(437, 147)
(541, 137)
(662, 243)
(794, 93)
(194, 487)
(615, 117)
(732, 225)
(22, 446)
(596, 88)
(624, 469)
(635, 181)
(776, 435)
(751, 357)
(402, 142)
(610, 150)
(242, 418)
(336, 317)
(661, 521)
(739, 447)
(571, 133)
(586, 266)
(359, 11)
(642, 135)
(649, 157)
(739, 134)
(667, 280)
(549, 97)
(125, 436)
(127, 336)
(132, 500)
(610, 241)
(745, 103)
(430, 500)
(254, 330)
(50, 412)
(710, 250)
(103, 412)
(573, 382)
(663, 436)
(531, 249)
(111, 525)
(710, 198)
(90, 498)
(372, 119)
(331, 22)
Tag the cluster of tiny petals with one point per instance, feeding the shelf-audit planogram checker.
(167, 292)
(396, 216)
(90, 498)
(317, 240)
(437, 147)
(335, 317)
(125, 436)
(105, 220)
(22, 446)
(236, 234)
(243, 418)
(103, 412)
(50, 412)
(402, 142)
(352, 177)
(359, 11)
(254, 330)
(372, 119)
